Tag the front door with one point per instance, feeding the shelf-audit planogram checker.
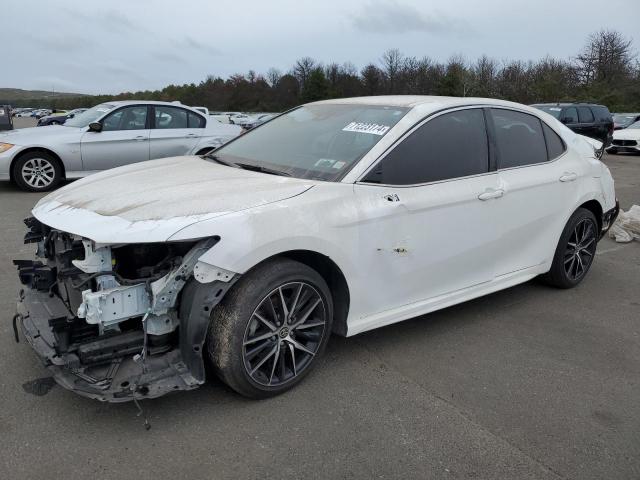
(124, 139)
(427, 213)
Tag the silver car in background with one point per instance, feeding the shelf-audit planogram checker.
(108, 135)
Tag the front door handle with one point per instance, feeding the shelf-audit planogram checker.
(191, 135)
(490, 193)
(139, 138)
(568, 177)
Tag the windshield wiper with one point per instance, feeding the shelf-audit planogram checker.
(217, 159)
(261, 169)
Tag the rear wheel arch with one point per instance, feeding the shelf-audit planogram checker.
(594, 207)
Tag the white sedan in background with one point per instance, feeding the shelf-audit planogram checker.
(626, 140)
(339, 216)
(106, 136)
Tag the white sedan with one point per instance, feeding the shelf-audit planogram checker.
(339, 217)
(626, 140)
(106, 136)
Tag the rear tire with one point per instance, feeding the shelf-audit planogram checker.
(37, 172)
(270, 329)
(575, 251)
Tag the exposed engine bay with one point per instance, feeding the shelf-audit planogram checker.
(118, 322)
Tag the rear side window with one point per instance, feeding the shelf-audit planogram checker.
(195, 120)
(451, 145)
(601, 113)
(519, 138)
(585, 115)
(555, 145)
(170, 117)
(570, 115)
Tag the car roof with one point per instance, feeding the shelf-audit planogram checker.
(119, 103)
(427, 102)
(567, 104)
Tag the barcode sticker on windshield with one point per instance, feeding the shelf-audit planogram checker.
(372, 128)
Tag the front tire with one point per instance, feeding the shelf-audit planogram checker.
(575, 251)
(37, 172)
(271, 328)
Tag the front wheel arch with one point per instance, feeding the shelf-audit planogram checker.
(55, 156)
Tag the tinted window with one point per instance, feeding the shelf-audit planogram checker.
(170, 117)
(585, 115)
(127, 118)
(555, 145)
(570, 115)
(451, 145)
(519, 138)
(601, 113)
(196, 121)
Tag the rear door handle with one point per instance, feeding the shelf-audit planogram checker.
(491, 193)
(568, 177)
(139, 138)
(191, 135)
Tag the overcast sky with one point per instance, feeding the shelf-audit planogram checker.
(107, 47)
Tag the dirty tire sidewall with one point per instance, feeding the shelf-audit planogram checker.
(17, 171)
(230, 318)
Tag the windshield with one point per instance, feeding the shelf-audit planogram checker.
(551, 110)
(319, 142)
(85, 118)
(623, 119)
(635, 125)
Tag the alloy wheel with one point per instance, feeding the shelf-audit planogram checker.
(284, 334)
(580, 249)
(38, 172)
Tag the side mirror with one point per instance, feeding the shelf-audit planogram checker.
(95, 127)
(71, 115)
(565, 120)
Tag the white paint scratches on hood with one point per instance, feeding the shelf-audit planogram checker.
(150, 201)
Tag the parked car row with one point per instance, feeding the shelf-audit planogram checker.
(58, 118)
(106, 136)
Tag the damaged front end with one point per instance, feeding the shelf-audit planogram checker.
(118, 322)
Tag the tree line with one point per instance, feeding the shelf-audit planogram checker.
(605, 71)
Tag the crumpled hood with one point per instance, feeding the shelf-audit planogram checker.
(151, 201)
(37, 135)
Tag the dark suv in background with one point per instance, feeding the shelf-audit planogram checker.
(587, 119)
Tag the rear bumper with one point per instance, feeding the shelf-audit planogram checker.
(608, 218)
(118, 380)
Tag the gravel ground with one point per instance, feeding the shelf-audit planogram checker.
(530, 382)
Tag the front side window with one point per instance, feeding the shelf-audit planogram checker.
(449, 146)
(170, 117)
(127, 118)
(519, 138)
(585, 115)
(314, 141)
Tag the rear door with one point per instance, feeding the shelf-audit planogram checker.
(539, 181)
(175, 132)
(124, 139)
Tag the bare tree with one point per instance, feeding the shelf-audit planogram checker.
(303, 68)
(391, 65)
(607, 57)
(273, 76)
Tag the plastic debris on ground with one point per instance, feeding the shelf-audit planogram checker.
(626, 228)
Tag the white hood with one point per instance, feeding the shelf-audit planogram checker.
(627, 134)
(151, 201)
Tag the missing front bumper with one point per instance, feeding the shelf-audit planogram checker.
(117, 380)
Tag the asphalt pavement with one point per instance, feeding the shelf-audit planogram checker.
(531, 382)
